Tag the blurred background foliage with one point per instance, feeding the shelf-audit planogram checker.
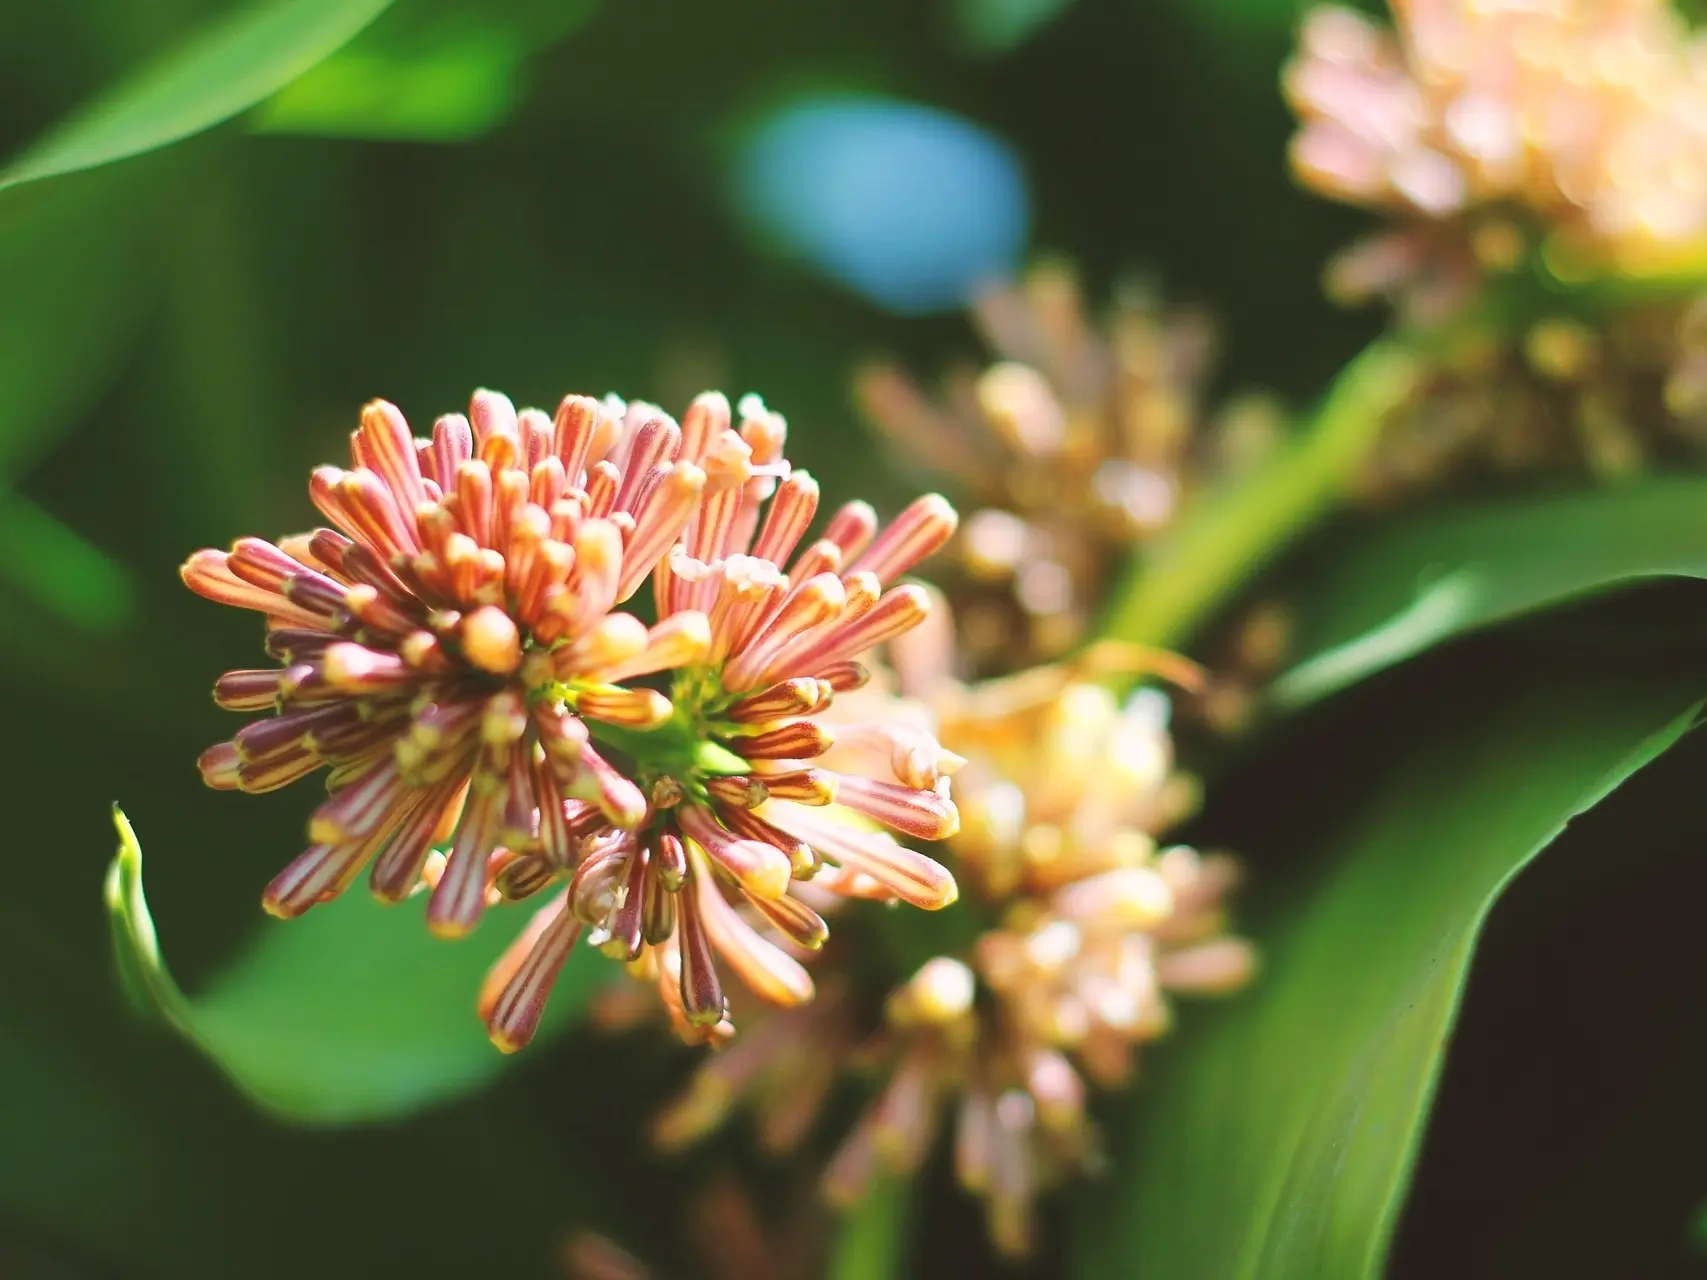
(272, 213)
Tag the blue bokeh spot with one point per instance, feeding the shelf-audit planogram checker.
(908, 206)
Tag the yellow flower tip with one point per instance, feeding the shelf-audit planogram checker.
(639, 709)
(197, 565)
(950, 895)
(938, 511)
(626, 812)
(769, 878)
(379, 413)
(943, 989)
(450, 930)
(654, 710)
(688, 635)
(504, 1041)
(703, 1018)
(492, 641)
(323, 830)
(949, 826)
(277, 909)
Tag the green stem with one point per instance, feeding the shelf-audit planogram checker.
(135, 947)
(1179, 582)
(873, 1236)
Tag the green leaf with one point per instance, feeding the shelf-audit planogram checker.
(221, 71)
(1276, 1138)
(1408, 586)
(353, 1013)
(426, 72)
(446, 91)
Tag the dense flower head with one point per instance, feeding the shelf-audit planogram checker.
(1493, 120)
(456, 654)
(1078, 442)
(1501, 136)
(1063, 790)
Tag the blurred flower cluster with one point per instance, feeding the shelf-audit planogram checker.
(1521, 149)
(1082, 440)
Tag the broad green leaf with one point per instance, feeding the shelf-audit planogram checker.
(352, 1013)
(426, 72)
(1275, 1139)
(1406, 587)
(221, 71)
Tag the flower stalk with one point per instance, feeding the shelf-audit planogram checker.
(1179, 580)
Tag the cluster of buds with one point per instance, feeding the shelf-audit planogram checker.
(453, 652)
(1080, 443)
(1483, 123)
(1087, 925)
(1505, 140)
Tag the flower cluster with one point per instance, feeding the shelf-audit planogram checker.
(453, 653)
(1087, 926)
(1077, 444)
(1587, 121)
(1505, 139)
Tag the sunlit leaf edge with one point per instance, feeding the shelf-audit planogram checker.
(1401, 590)
(271, 44)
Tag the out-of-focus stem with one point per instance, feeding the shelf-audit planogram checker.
(872, 1236)
(1179, 581)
